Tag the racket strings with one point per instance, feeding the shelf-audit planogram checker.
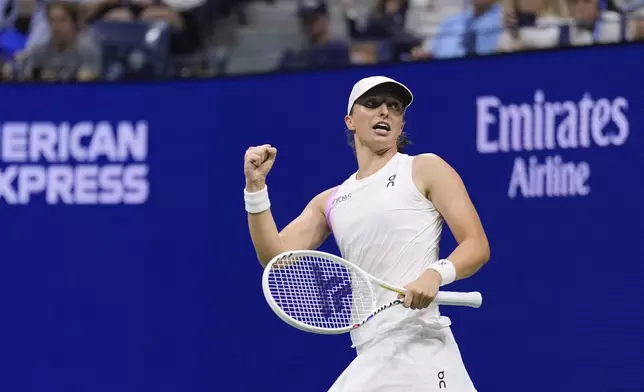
(320, 292)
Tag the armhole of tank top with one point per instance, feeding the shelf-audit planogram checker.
(327, 207)
(414, 189)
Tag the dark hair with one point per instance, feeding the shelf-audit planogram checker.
(71, 9)
(402, 142)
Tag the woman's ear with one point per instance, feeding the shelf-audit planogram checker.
(349, 123)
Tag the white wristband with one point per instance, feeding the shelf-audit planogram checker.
(257, 202)
(446, 270)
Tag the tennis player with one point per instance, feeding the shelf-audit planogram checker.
(387, 218)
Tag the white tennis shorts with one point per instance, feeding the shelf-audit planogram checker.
(412, 359)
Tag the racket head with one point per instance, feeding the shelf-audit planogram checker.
(318, 292)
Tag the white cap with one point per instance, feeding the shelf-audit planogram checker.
(367, 84)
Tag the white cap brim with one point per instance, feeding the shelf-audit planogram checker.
(366, 84)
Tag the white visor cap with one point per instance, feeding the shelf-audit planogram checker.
(367, 84)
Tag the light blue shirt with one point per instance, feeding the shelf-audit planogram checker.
(448, 42)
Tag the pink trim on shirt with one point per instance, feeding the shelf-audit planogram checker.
(327, 207)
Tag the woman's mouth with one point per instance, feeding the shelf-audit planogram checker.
(382, 128)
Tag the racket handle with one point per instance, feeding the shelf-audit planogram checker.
(472, 299)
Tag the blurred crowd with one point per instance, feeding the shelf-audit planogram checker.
(408, 30)
(83, 40)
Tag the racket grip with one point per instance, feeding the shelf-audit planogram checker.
(472, 299)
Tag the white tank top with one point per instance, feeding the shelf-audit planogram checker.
(383, 224)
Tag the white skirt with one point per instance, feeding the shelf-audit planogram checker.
(411, 359)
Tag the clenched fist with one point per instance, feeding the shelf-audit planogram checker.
(258, 161)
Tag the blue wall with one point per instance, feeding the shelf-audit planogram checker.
(161, 291)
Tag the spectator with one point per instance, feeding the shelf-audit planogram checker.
(385, 19)
(589, 25)
(64, 56)
(186, 37)
(425, 16)
(39, 31)
(475, 31)
(320, 50)
(384, 23)
(530, 24)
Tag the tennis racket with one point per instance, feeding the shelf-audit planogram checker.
(322, 293)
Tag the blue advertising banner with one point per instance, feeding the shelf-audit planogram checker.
(127, 264)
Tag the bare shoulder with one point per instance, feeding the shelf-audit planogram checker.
(309, 229)
(429, 164)
(427, 160)
(319, 201)
(430, 169)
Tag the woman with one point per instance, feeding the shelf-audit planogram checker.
(387, 218)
